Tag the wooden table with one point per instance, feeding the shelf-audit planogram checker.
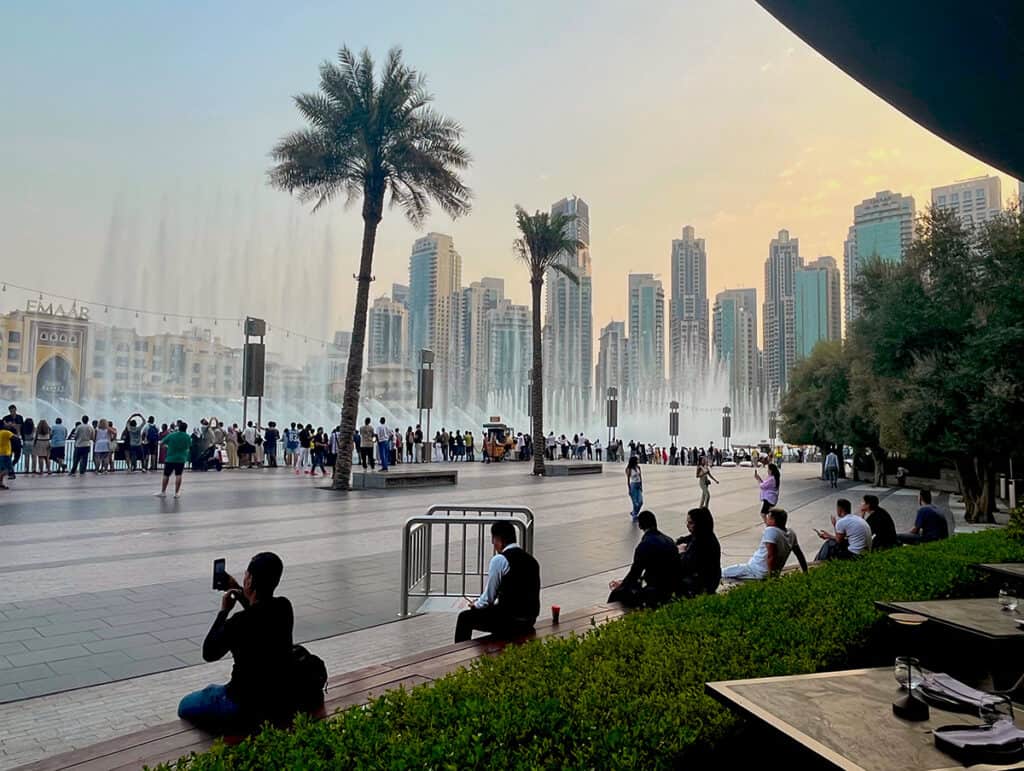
(1013, 570)
(982, 617)
(846, 719)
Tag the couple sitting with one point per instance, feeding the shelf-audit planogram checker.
(663, 568)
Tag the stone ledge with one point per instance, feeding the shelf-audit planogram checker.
(572, 469)
(401, 478)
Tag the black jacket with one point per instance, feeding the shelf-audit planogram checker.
(656, 566)
(701, 564)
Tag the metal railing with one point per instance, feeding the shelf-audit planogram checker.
(446, 552)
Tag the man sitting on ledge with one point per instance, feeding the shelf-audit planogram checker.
(510, 603)
(260, 641)
(656, 575)
(772, 552)
(929, 525)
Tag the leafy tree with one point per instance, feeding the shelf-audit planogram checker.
(542, 244)
(368, 138)
(813, 409)
(943, 333)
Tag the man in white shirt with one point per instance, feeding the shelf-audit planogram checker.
(777, 543)
(384, 443)
(852, 535)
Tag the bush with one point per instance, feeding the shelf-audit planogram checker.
(629, 694)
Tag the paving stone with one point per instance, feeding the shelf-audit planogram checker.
(11, 693)
(124, 619)
(43, 643)
(72, 627)
(18, 634)
(180, 648)
(93, 661)
(149, 666)
(121, 643)
(16, 674)
(51, 654)
(64, 682)
(12, 647)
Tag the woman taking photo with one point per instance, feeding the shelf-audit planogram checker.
(635, 484)
(769, 487)
(704, 479)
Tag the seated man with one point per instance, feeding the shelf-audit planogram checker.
(777, 543)
(883, 529)
(852, 536)
(510, 603)
(656, 574)
(930, 524)
(260, 641)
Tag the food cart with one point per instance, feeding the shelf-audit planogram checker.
(497, 439)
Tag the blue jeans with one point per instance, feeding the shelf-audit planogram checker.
(636, 495)
(211, 708)
(385, 455)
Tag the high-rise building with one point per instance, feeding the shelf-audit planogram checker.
(883, 226)
(818, 315)
(688, 309)
(613, 360)
(974, 201)
(568, 324)
(388, 341)
(779, 311)
(478, 299)
(646, 305)
(511, 352)
(734, 333)
(400, 293)
(435, 279)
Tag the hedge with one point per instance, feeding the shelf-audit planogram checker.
(628, 694)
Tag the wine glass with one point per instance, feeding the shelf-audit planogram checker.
(1007, 600)
(994, 708)
(907, 672)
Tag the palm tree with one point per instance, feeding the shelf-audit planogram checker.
(545, 240)
(365, 139)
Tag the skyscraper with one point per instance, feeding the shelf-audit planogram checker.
(688, 310)
(568, 324)
(646, 331)
(478, 299)
(883, 226)
(734, 335)
(613, 364)
(511, 353)
(388, 333)
(400, 293)
(780, 271)
(973, 201)
(435, 277)
(818, 315)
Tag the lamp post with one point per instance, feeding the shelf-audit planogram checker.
(673, 421)
(425, 398)
(773, 425)
(726, 427)
(613, 413)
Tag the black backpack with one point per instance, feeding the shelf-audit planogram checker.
(309, 678)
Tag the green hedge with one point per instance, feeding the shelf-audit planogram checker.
(629, 694)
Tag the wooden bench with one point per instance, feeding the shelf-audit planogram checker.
(168, 742)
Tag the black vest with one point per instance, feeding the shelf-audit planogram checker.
(519, 590)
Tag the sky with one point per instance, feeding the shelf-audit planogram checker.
(135, 137)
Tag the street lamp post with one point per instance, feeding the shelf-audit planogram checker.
(425, 398)
(613, 414)
(673, 422)
(773, 425)
(726, 427)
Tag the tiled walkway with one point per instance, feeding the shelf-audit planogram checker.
(103, 582)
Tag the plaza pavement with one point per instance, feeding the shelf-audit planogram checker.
(106, 596)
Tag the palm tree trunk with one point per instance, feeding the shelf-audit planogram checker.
(537, 394)
(373, 205)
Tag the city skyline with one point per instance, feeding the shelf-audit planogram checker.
(78, 153)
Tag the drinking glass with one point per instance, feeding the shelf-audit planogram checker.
(998, 707)
(907, 672)
(1007, 599)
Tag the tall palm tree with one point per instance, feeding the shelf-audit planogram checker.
(544, 241)
(367, 138)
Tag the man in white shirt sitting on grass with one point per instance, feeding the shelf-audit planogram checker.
(852, 536)
(777, 543)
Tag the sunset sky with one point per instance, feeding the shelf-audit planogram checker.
(136, 134)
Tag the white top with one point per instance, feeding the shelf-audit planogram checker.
(832, 461)
(383, 433)
(634, 476)
(857, 532)
(249, 434)
(783, 545)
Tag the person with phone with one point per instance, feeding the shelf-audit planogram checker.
(259, 638)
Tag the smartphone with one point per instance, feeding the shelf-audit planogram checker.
(220, 575)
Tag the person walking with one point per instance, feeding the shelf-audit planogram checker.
(769, 487)
(635, 485)
(832, 468)
(704, 479)
(41, 447)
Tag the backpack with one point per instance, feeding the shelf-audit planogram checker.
(153, 434)
(309, 678)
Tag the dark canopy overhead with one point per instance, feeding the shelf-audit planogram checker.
(956, 68)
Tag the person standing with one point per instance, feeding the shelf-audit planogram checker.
(769, 487)
(28, 438)
(179, 445)
(270, 438)
(469, 447)
(134, 445)
(384, 443)
(84, 434)
(635, 485)
(6, 451)
(151, 443)
(410, 446)
(319, 447)
(832, 468)
(302, 458)
(333, 448)
(232, 445)
(365, 437)
(704, 479)
(101, 447)
(58, 438)
(417, 438)
(41, 447)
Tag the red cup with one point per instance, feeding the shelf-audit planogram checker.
(555, 610)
